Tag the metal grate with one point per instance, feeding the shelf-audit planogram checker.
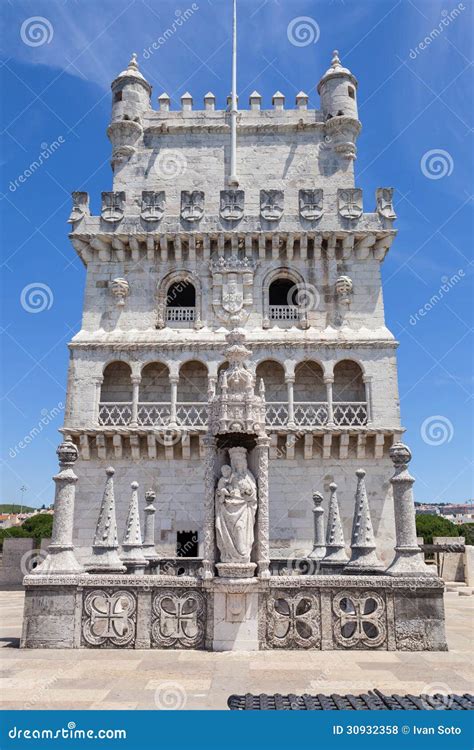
(373, 700)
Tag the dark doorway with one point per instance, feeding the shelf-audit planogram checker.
(187, 544)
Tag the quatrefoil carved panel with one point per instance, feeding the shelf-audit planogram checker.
(293, 620)
(359, 620)
(179, 620)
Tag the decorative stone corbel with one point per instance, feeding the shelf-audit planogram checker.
(344, 289)
(120, 288)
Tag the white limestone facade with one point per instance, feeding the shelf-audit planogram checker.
(178, 257)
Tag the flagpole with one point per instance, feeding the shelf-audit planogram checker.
(234, 180)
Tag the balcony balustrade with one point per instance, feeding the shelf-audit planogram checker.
(306, 414)
(350, 414)
(284, 312)
(180, 314)
(118, 414)
(191, 415)
(153, 414)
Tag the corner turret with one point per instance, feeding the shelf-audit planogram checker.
(337, 89)
(131, 93)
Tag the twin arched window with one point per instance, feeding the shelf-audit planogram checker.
(285, 300)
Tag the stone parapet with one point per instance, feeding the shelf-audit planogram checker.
(291, 612)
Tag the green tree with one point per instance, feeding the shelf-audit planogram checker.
(429, 526)
(467, 531)
(39, 526)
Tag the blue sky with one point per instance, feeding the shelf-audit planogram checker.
(412, 101)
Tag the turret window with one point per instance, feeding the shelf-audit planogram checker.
(351, 92)
(117, 97)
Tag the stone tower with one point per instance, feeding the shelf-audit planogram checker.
(176, 259)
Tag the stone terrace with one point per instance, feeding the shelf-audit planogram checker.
(108, 679)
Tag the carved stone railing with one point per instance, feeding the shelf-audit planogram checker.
(115, 414)
(310, 413)
(192, 414)
(284, 312)
(180, 314)
(307, 414)
(153, 414)
(276, 413)
(350, 413)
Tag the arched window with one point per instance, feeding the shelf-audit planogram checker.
(115, 407)
(309, 391)
(273, 375)
(191, 407)
(181, 302)
(283, 295)
(349, 397)
(154, 395)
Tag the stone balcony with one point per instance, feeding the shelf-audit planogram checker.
(306, 414)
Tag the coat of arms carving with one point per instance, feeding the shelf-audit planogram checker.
(350, 203)
(311, 204)
(153, 205)
(80, 207)
(232, 205)
(192, 205)
(232, 288)
(271, 204)
(113, 206)
(384, 198)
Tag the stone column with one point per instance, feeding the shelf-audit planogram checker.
(368, 397)
(174, 379)
(329, 380)
(319, 546)
(263, 523)
(209, 544)
(363, 548)
(409, 559)
(149, 549)
(61, 559)
(98, 386)
(136, 380)
(211, 387)
(290, 381)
